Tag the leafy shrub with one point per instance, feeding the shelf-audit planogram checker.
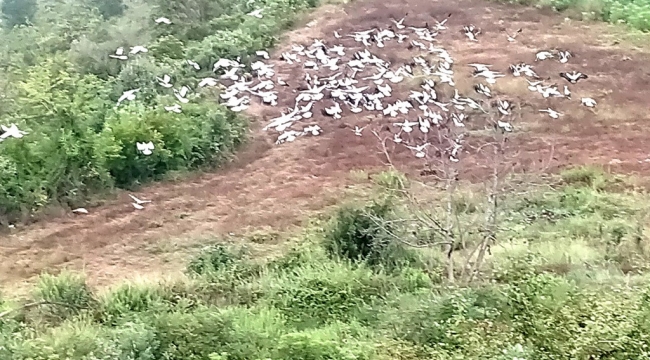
(61, 87)
(167, 48)
(211, 259)
(365, 234)
(135, 341)
(201, 135)
(129, 299)
(18, 12)
(329, 342)
(191, 336)
(57, 160)
(322, 293)
(110, 8)
(255, 332)
(65, 295)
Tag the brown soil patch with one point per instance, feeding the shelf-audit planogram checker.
(277, 186)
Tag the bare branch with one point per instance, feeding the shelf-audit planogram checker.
(35, 304)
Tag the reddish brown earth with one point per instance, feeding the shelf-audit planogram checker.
(277, 187)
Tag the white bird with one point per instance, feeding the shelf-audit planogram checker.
(165, 81)
(287, 136)
(543, 55)
(176, 108)
(315, 130)
(564, 56)
(573, 77)
(231, 74)
(454, 152)
(511, 38)
(11, 131)
(138, 49)
(552, 113)
(163, 20)
(484, 90)
(588, 102)
(504, 125)
(138, 201)
(137, 206)
(209, 81)
(256, 13)
(119, 54)
(127, 95)
(458, 119)
(263, 54)
(333, 111)
(407, 126)
(145, 148)
(193, 64)
(80, 211)
(480, 67)
(399, 24)
(419, 150)
(180, 95)
(471, 32)
(357, 130)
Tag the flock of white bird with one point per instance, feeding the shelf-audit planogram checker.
(345, 81)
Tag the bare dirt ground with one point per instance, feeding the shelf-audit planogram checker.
(277, 187)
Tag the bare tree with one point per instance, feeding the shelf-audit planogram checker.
(446, 152)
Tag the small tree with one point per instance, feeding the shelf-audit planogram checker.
(446, 154)
(18, 12)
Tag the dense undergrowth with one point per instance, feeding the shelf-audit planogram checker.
(566, 279)
(635, 13)
(58, 84)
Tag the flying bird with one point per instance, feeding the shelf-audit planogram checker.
(588, 102)
(573, 77)
(11, 131)
(256, 13)
(127, 95)
(145, 148)
(163, 20)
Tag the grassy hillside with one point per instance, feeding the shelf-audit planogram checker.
(59, 85)
(565, 278)
(635, 13)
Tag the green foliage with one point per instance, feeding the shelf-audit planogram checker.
(212, 259)
(128, 299)
(65, 295)
(310, 306)
(110, 8)
(61, 87)
(18, 12)
(635, 13)
(330, 342)
(366, 234)
(315, 295)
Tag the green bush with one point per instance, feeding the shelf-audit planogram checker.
(212, 259)
(62, 88)
(366, 234)
(128, 300)
(64, 295)
(18, 12)
(321, 293)
(191, 336)
(330, 342)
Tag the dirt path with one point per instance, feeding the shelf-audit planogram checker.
(277, 186)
